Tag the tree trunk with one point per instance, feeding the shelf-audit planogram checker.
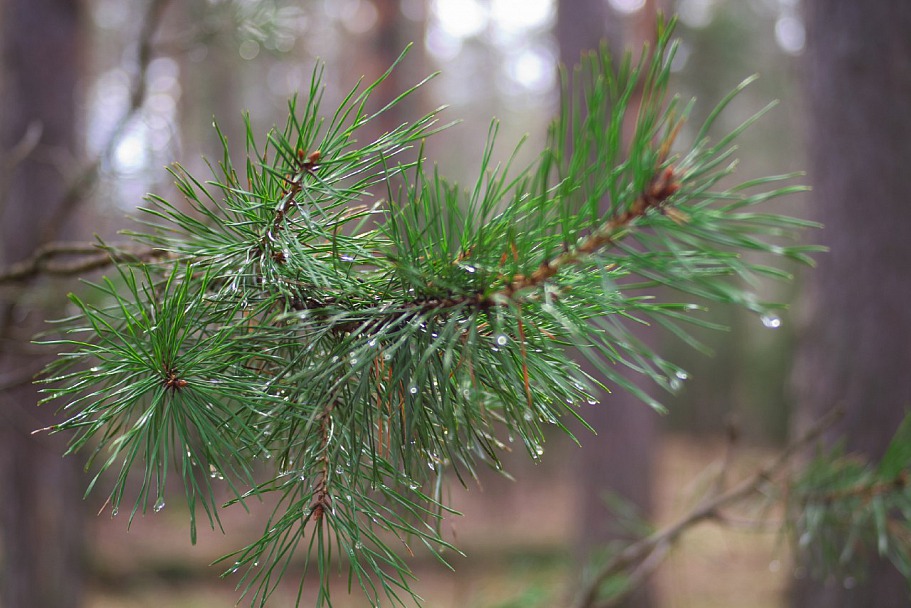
(618, 461)
(41, 512)
(854, 353)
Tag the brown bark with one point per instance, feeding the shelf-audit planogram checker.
(41, 512)
(854, 352)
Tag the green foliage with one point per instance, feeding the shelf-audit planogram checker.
(360, 350)
(844, 510)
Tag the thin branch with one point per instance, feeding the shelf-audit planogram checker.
(57, 259)
(16, 155)
(638, 555)
(75, 192)
(662, 187)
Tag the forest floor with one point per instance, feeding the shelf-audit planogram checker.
(516, 535)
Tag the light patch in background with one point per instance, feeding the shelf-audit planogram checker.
(696, 13)
(533, 69)
(110, 14)
(512, 18)
(627, 7)
(131, 154)
(790, 34)
(109, 97)
(441, 44)
(361, 17)
(248, 50)
(461, 18)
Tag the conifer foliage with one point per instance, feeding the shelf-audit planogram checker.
(361, 349)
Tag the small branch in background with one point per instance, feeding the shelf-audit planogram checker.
(73, 258)
(78, 186)
(18, 153)
(643, 557)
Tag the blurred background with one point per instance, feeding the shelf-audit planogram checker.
(101, 95)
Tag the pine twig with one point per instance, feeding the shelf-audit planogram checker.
(46, 260)
(663, 186)
(639, 556)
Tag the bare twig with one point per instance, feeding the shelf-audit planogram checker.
(643, 557)
(16, 378)
(78, 186)
(71, 258)
(15, 155)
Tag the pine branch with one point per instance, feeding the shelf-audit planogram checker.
(364, 348)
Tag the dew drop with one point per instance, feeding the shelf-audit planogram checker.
(114, 512)
(413, 390)
(681, 375)
(372, 343)
(771, 321)
(470, 269)
(353, 361)
(159, 505)
(674, 384)
(539, 450)
(502, 339)
(592, 401)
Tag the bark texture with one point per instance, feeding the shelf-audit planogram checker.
(855, 353)
(41, 510)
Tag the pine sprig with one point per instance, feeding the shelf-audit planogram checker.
(364, 348)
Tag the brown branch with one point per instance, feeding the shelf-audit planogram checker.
(662, 187)
(321, 499)
(73, 258)
(640, 556)
(78, 186)
(16, 155)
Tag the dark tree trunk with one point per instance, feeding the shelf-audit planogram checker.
(41, 511)
(618, 460)
(855, 353)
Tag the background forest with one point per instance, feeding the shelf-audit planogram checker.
(100, 96)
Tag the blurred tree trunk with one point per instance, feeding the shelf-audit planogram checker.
(378, 49)
(41, 511)
(619, 459)
(854, 353)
